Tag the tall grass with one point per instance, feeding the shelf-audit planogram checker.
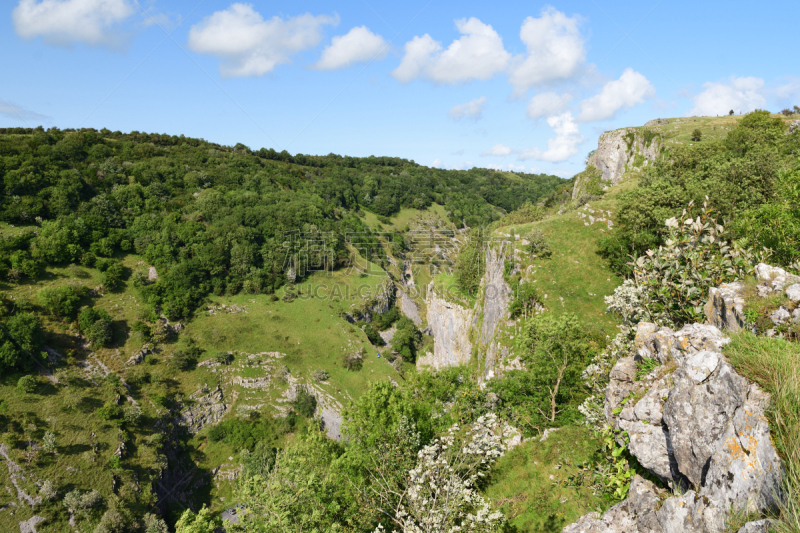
(775, 365)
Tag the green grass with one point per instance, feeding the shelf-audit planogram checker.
(521, 484)
(775, 365)
(574, 271)
(679, 130)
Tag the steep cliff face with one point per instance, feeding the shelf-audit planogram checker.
(450, 325)
(625, 149)
(456, 329)
(693, 422)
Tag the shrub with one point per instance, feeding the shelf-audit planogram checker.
(525, 301)
(48, 491)
(182, 360)
(132, 414)
(76, 500)
(406, 339)
(27, 384)
(109, 411)
(111, 522)
(304, 402)
(49, 442)
(697, 135)
(96, 325)
(539, 247)
(673, 281)
(60, 301)
(100, 333)
(224, 358)
(787, 112)
(353, 360)
(154, 524)
(319, 375)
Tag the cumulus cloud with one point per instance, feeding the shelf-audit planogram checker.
(547, 105)
(789, 92)
(511, 167)
(357, 45)
(740, 94)
(630, 89)
(561, 147)
(437, 163)
(247, 45)
(16, 112)
(66, 22)
(471, 109)
(478, 55)
(555, 50)
(497, 150)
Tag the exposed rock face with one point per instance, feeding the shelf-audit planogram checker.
(209, 408)
(450, 325)
(408, 307)
(456, 329)
(725, 307)
(378, 304)
(794, 126)
(694, 422)
(616, 153)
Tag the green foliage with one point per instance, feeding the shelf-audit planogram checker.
(675, 278)
(559, 347)
(538, 247)
(739, 174)
(61, 301)
(109, 411)
(320, 375)
(645, 366)
(524, 301)
(200, 522)
(27, 384)
(304, 403)
(21, 341)
(697, 135)
(96, 325)
(247, 434)
(406, 339)
(471, 262)
(299, 493)
(213, 218)
(526, 214)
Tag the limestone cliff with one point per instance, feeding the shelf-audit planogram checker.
(456, 329)
(695, 423)
(450, 325)
(622, 150)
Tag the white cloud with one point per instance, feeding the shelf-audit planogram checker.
(740, 94)
(561, 147)
(789, 92)
(497, 150)
(630, 89)
(511, 167)
(471, 109)
(16, 112)
(65, 22)
(547, 105)
(555, 50)
(478, 55)
(437, 163)
(357, 45)
(248, 45)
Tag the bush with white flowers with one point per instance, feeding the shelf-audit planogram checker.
(441, 494)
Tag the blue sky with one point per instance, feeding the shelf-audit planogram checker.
(518, 85)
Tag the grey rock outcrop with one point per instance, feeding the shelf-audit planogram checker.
(209, 408)
(617, 150)
(725, 307)
(694, 422)
(794, 126)
(450, 326)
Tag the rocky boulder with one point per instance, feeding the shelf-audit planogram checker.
(694, 422)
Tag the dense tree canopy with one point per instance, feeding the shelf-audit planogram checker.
(213, 218)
